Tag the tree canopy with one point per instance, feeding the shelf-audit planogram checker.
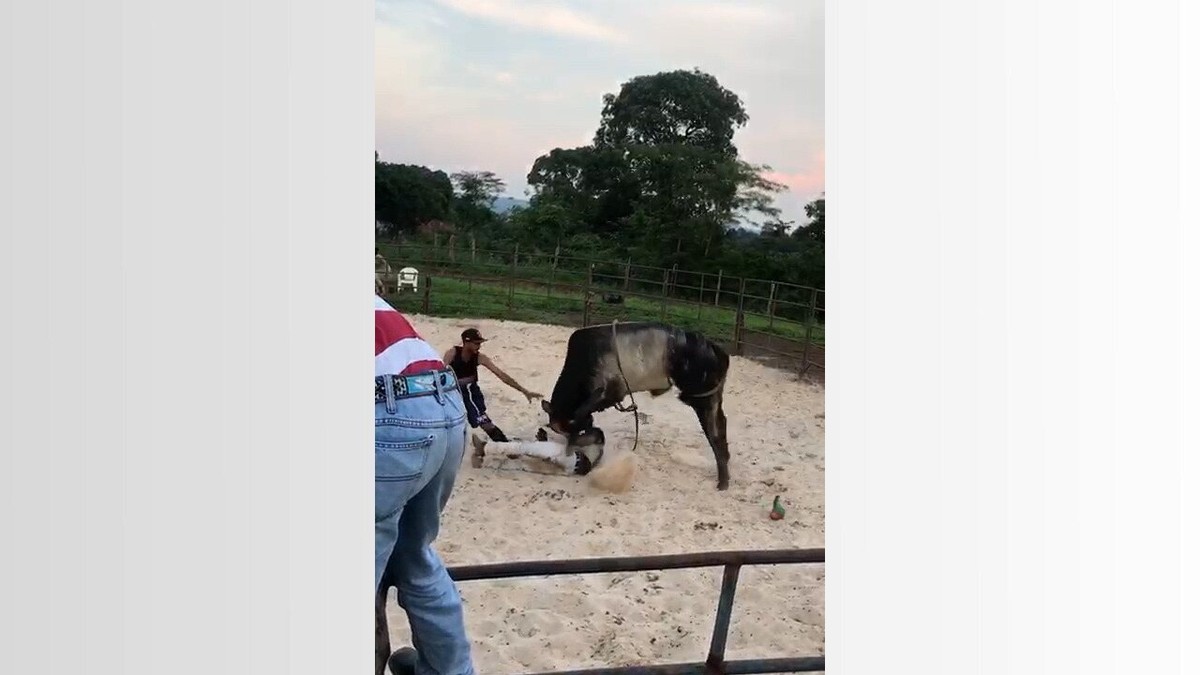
(407, 195)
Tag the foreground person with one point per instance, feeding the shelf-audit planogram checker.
(420, 438)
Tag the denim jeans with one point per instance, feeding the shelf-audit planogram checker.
(419, 445)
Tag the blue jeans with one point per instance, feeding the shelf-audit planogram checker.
(419, 445)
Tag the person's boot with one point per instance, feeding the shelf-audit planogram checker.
(496, 435)
(403, 661)
(477, 445)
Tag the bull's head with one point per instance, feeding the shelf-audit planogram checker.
(567, 426)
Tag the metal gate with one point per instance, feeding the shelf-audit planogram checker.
(732, 561)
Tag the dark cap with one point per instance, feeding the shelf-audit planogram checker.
(472, 335)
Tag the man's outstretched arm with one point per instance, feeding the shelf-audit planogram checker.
(506, 379)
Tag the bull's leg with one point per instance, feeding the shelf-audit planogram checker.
(599, 400)
(723, 443)
(383, 642)
(712, 420)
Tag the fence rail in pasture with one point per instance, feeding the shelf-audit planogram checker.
(779, 323)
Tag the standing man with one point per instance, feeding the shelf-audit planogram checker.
(420, 437)
(465, 359)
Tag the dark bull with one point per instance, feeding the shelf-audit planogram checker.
(606, 363)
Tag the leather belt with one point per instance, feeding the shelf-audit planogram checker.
(420, 384)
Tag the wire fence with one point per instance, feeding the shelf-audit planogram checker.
(773, 321)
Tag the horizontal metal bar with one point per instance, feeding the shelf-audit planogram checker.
(538, 568)
(798, 340)
(778, 319)
(794, 356)
(794, 664)
(784, 284)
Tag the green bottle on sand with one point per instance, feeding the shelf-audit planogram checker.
(777, 509)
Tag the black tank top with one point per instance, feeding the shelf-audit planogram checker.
(463, 368)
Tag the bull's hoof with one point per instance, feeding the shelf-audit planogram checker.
(723, 484)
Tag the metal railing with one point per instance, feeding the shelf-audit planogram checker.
(731, 561)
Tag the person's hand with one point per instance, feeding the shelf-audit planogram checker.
(530, 395)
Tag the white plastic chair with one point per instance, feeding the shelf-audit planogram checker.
(407, 277)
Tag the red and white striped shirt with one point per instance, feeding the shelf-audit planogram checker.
(399, 350)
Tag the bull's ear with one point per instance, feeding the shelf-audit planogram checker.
(546, 406)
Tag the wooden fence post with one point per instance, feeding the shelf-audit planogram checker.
(628, 264)
(512, 277)
(808, 328)
(553, 269)
(700, 302)
(717, 297)
(662, 312)
(425, 299)
(587, 296)
(739, 323)
(472, 249)
(771, 308)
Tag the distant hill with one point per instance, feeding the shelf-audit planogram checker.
(740, 233)
(506, 204)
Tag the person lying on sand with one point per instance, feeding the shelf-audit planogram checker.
(576, 454)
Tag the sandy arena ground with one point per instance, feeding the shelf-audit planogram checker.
(505, 513)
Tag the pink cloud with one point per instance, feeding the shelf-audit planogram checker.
(539, 16)
(810, 181)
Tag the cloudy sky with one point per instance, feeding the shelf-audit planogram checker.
(493, 84)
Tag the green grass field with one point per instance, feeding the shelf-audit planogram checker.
(534, 303)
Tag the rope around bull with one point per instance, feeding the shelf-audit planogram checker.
(632, 401)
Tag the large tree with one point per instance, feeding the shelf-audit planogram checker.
(662, 174)
(814, 230)
(477, 192)
(478, 188)
(407, 195)
(684, 107)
